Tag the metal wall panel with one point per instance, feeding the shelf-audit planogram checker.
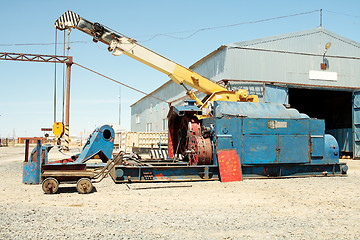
(356, 124)
(259, 148)
(152, 110)
(317, 133)
(279, 63)
(344, 137)
(263, 126)
(213, 67)
(293, 149)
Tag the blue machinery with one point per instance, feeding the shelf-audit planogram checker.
(269, 140)
(258, 139)
(37, 168)
(100, 142)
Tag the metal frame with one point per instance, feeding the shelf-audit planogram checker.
(186, 173)
(68, 60)
(35, 57)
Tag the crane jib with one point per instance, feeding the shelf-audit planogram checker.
(119, 43)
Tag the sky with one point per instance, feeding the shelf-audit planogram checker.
(27, 88)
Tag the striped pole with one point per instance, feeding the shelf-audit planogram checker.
(67, 138)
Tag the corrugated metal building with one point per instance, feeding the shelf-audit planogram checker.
(282, 69)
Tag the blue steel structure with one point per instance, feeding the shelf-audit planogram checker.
(270, 139)
(32, 166)
(100, 142)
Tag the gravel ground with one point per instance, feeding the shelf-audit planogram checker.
(297, 208)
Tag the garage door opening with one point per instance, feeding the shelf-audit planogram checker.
(333, 106)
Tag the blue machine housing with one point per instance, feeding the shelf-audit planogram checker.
(270, 134)
(100, 142)
(270, 140)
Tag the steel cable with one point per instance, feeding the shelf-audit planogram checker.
(123, 84)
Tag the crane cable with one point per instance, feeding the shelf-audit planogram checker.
(55, 82)
(63, 75)
(123, 84)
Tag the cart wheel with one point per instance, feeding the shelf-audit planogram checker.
(84, 186)
(50, 185)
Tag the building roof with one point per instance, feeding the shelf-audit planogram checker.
(294, 42)
(152, 93)
(272, 40)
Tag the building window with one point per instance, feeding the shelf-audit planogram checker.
(156, 107)
(149, 127)
(164, 124)
(137, 119)
(150, 108)
(163, 105)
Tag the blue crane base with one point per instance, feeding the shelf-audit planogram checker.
(182, 173)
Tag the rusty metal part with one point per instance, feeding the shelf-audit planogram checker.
(35, 57)
(199, 150)
(27, 150)
(160, 187)
(192, 144)
(183, 131)
(84, 186)
(287, 84)
(50, 185)
(108, 167)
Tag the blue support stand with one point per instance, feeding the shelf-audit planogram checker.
(32, 166)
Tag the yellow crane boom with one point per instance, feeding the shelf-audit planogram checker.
(118, 44)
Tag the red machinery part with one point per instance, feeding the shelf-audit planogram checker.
(186, 139)
(199, 150)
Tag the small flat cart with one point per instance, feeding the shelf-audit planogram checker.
(54, 174)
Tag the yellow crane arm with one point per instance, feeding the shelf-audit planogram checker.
(118, 44)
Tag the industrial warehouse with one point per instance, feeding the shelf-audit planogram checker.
(291, 69)
(258, 139)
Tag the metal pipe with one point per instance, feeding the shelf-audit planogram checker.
(26, 150)
(67, 106)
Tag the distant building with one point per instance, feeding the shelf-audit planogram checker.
(32, 140)
(287, 69)
(119, 132)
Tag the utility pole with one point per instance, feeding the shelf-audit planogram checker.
(320, 17)
(119, 106)
(67, 109)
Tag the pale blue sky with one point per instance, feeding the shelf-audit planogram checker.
(26, 97)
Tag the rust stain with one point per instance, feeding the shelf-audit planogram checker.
(161, 176)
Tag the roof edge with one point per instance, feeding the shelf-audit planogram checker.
(153, 92)
(208, 56)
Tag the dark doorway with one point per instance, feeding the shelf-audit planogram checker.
(335, 107)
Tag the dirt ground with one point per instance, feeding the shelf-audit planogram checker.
(296, 208)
